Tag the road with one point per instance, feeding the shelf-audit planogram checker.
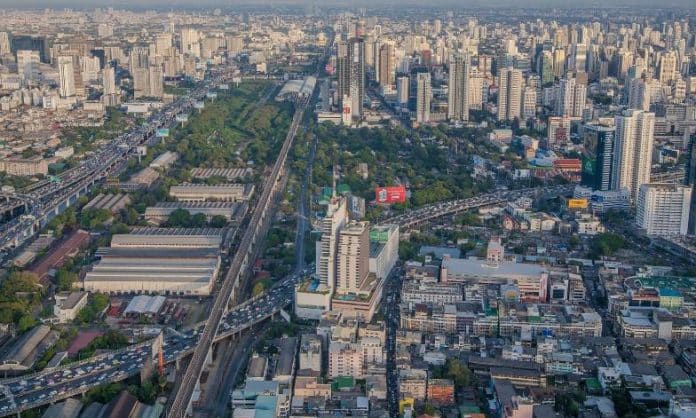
(303, 207)
(239, 268)
(392, 296)
(437, 210)
(47, 198)
(49, 386)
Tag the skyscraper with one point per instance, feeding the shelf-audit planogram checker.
(545, 67)
(356, 58)
(353, 257)
(598, 156)
(690, 180)
(327, 248)
(110, 97)
(633, 150)
(509, 93)
(66, 76)
(402, 84)
(5, 43)
(342, 72)
(458, 93)
(663, 209)
(156, 81)
(387, 65)
(423, 93)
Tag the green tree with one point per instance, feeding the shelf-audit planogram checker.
(65, 279)
(218, 221)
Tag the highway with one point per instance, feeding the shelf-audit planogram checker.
(46, 199)
(238, 270)
(49, 386)
(427, 213)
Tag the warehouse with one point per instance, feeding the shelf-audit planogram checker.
(176, 261)
(230, 174)
(232, 211)
(228, 192)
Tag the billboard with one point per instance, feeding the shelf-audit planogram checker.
(577, 203)
(163, 132)
(390, 194)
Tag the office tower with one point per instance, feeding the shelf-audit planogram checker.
(342, 72)
(639, 94)
(402, 84)
(141, 82)
(663, 209)
(545, 67)
(668, 67)
(690, 181)
(571, 97)
(156, 82)
(458, 88)
(356, 58)
(423, 93)
(509, 93)
(598, 156)
(5, 43)
(529, 101)
(353, 257)
(28, 66)
(387, 65)
(437, 26)
(66, 75)
(190, 42)
(327, 248)
(633, 150)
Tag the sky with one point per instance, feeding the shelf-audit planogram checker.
(454, 4)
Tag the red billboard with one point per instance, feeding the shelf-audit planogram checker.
(391, 194)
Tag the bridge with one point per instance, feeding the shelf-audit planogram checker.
(49, 386)
(428, 213)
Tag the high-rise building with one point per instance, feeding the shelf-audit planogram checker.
(639, 92)
(402, 84)
(327, 248)
(342, 72)
(529, 101)
(663, 209)
(111, 96)
(5, 47)
(30, 43)
(387, 65)
(509, 93)
(356, 59)
(66, 76)
(668, 67)
(598, 156)
(353, 257)
(690, 181)
(156, 81)
(423, 94)
(141, 82)
(28, 66)
(458, 88)
(545, 67)
(570, 98)
(633, 150)
(190, 42)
